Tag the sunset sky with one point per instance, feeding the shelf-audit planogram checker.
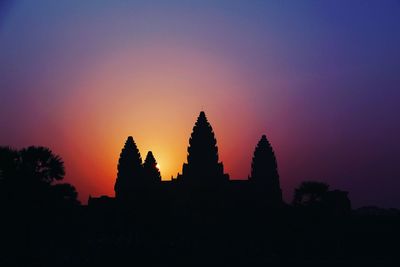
(320, 78)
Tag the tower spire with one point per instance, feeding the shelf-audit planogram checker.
(130, 169)
(264, 170)
(151, 172)
(202, 159)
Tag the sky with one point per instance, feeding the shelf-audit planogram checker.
(320, 78)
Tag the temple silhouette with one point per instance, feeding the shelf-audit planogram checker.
(202, 180)
(202, 165)
(199, 218)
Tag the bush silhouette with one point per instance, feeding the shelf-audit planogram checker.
(310, 193)
(316, 197)
(64, 193)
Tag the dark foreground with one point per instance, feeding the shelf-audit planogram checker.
(225, 236)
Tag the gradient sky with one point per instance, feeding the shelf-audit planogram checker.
(320, 78)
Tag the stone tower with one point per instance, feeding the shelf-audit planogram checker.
(264, 171)
(202, 165)
(130, 170)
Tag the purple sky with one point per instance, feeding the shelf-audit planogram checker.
(320, 78)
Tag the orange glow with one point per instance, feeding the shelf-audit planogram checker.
(155, 95)
(145, 94)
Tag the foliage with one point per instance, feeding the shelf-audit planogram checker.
(310, 193)
(29, 176)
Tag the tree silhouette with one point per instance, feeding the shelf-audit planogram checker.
(130, 169)
(316, 197)
(310, 193)
(151, 172)
(28, 176)
(33, 165)
(64, 194)
(202, 160)
(264, 169)
(9, 162)
(40, 165)
(8, 158)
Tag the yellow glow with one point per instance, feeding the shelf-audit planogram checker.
(158, 166)
(145, 93)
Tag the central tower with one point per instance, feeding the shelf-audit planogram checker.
(202, 165)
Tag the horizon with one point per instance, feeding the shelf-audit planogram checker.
(320, 80)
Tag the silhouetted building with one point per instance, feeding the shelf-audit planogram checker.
(130, 170)
(264, 171)
(202, 218)
(203, 185)
(202, 165)
(151, 172)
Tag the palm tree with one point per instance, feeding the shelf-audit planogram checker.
(28, 177)
(40, 165)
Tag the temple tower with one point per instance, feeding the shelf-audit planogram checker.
(202, 165)
(130, 170)
(264, 171)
